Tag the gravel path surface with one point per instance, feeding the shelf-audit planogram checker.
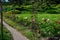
(16, 35)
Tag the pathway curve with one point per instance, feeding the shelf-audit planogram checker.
(16, 35)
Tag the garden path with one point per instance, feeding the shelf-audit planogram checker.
(16, 35)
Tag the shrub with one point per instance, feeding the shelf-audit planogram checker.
(58, 6)
(16, 11)
(7, 14)
(52, 12)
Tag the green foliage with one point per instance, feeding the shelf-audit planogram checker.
(52, 12)
(6, 34)
(58, 6)
(16, 12)
(48, 29)
(44, 27)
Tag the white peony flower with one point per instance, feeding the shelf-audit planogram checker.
(48, 20)
(25, 17)
(43, 19)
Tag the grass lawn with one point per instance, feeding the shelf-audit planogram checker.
(40, 16)
(6, 34)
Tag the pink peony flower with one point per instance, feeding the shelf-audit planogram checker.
(46, 38)
(32, 21)
(59, 23)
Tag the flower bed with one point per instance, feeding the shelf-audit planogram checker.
(44, 28)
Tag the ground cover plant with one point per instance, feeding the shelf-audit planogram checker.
(6, 34)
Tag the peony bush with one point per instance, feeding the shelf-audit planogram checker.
(43, 28)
